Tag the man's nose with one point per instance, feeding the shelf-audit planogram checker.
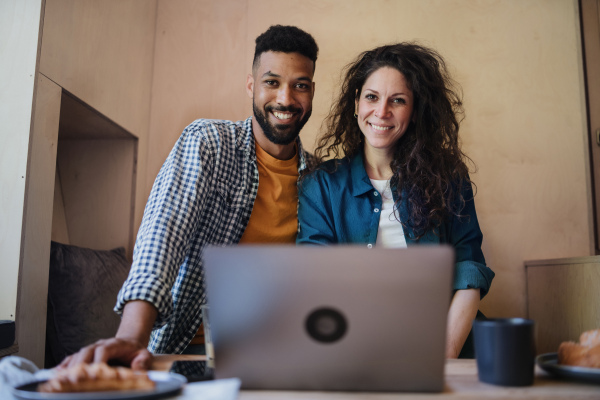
(284, 95)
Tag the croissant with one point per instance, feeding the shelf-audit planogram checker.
(586, 353)
(95, 378)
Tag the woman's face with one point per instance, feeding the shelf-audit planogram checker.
(385, 108)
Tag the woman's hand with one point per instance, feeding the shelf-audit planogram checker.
(463, 310)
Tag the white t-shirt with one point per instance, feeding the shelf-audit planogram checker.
(390, 233)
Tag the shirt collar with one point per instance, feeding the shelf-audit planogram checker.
(245, 142)
(361, 183)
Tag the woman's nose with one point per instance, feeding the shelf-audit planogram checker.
(382, 110)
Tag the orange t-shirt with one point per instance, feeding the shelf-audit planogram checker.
(274, 218)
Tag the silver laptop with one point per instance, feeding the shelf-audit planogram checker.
(330, 318)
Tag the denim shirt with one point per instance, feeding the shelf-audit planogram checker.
(340, 205)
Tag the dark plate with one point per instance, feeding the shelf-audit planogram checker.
(166, 384)
(549, 363)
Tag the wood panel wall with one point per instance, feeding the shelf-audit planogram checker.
(520, 67)
(519, 63)
(102, 52)
(37, 225)
(563, 297)
(20, 22)
(590, 13)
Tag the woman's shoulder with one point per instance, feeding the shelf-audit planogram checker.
(332, 169)
(327, 175)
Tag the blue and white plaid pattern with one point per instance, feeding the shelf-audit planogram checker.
(203, 194)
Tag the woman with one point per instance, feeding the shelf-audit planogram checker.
(403, 179)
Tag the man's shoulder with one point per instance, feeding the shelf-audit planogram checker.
(206, 126)
(216, 135)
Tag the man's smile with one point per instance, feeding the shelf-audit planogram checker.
(282, 115)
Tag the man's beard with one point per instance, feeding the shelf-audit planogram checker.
(279, 133)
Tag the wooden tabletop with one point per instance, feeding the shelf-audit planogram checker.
(162, 362)
(461, 382)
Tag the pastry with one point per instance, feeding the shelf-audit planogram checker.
(590, 338)
(95, 378)
(586, 353)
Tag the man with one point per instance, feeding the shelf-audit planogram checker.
(223, 183)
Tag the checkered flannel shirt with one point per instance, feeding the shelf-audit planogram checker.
(203, 194)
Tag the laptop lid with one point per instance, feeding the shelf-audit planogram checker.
(330, 318)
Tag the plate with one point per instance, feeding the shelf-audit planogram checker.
(166, 384)
(549, 363)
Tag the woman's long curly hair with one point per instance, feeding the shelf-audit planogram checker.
(429, 166)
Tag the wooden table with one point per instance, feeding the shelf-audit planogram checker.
(163, 362)
(461, 383)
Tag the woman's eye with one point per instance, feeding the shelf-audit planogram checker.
(399, 101)
(370, 97)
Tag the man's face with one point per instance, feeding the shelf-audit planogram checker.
(282, 91)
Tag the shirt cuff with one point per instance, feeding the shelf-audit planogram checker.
(473, 275)
(147, 288)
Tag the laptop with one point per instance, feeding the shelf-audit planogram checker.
(340, 318)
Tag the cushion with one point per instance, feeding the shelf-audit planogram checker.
(82, 291)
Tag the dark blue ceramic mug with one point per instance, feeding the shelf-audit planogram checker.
(505, 351)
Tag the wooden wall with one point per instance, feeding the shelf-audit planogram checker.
(563, 298)
(153, 66)
(520, 66)
(20, 21)
(37, 223)
(102, 52)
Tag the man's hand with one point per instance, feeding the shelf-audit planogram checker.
(126, 351)
(129, 344)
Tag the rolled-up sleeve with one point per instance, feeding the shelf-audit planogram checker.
(465, 235)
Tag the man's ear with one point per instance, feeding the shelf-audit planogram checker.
(250, 85)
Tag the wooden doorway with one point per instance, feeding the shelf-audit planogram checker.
(590, 32)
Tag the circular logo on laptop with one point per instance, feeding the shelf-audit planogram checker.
(326, 325)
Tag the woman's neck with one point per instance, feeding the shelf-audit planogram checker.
(377, 163)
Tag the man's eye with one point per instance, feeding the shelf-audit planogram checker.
(271, 82)
(302, 86)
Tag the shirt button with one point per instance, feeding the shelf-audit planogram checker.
(369, 246)
(375, 193)
(376, 210)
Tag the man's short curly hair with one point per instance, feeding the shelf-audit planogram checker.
(285, 39)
